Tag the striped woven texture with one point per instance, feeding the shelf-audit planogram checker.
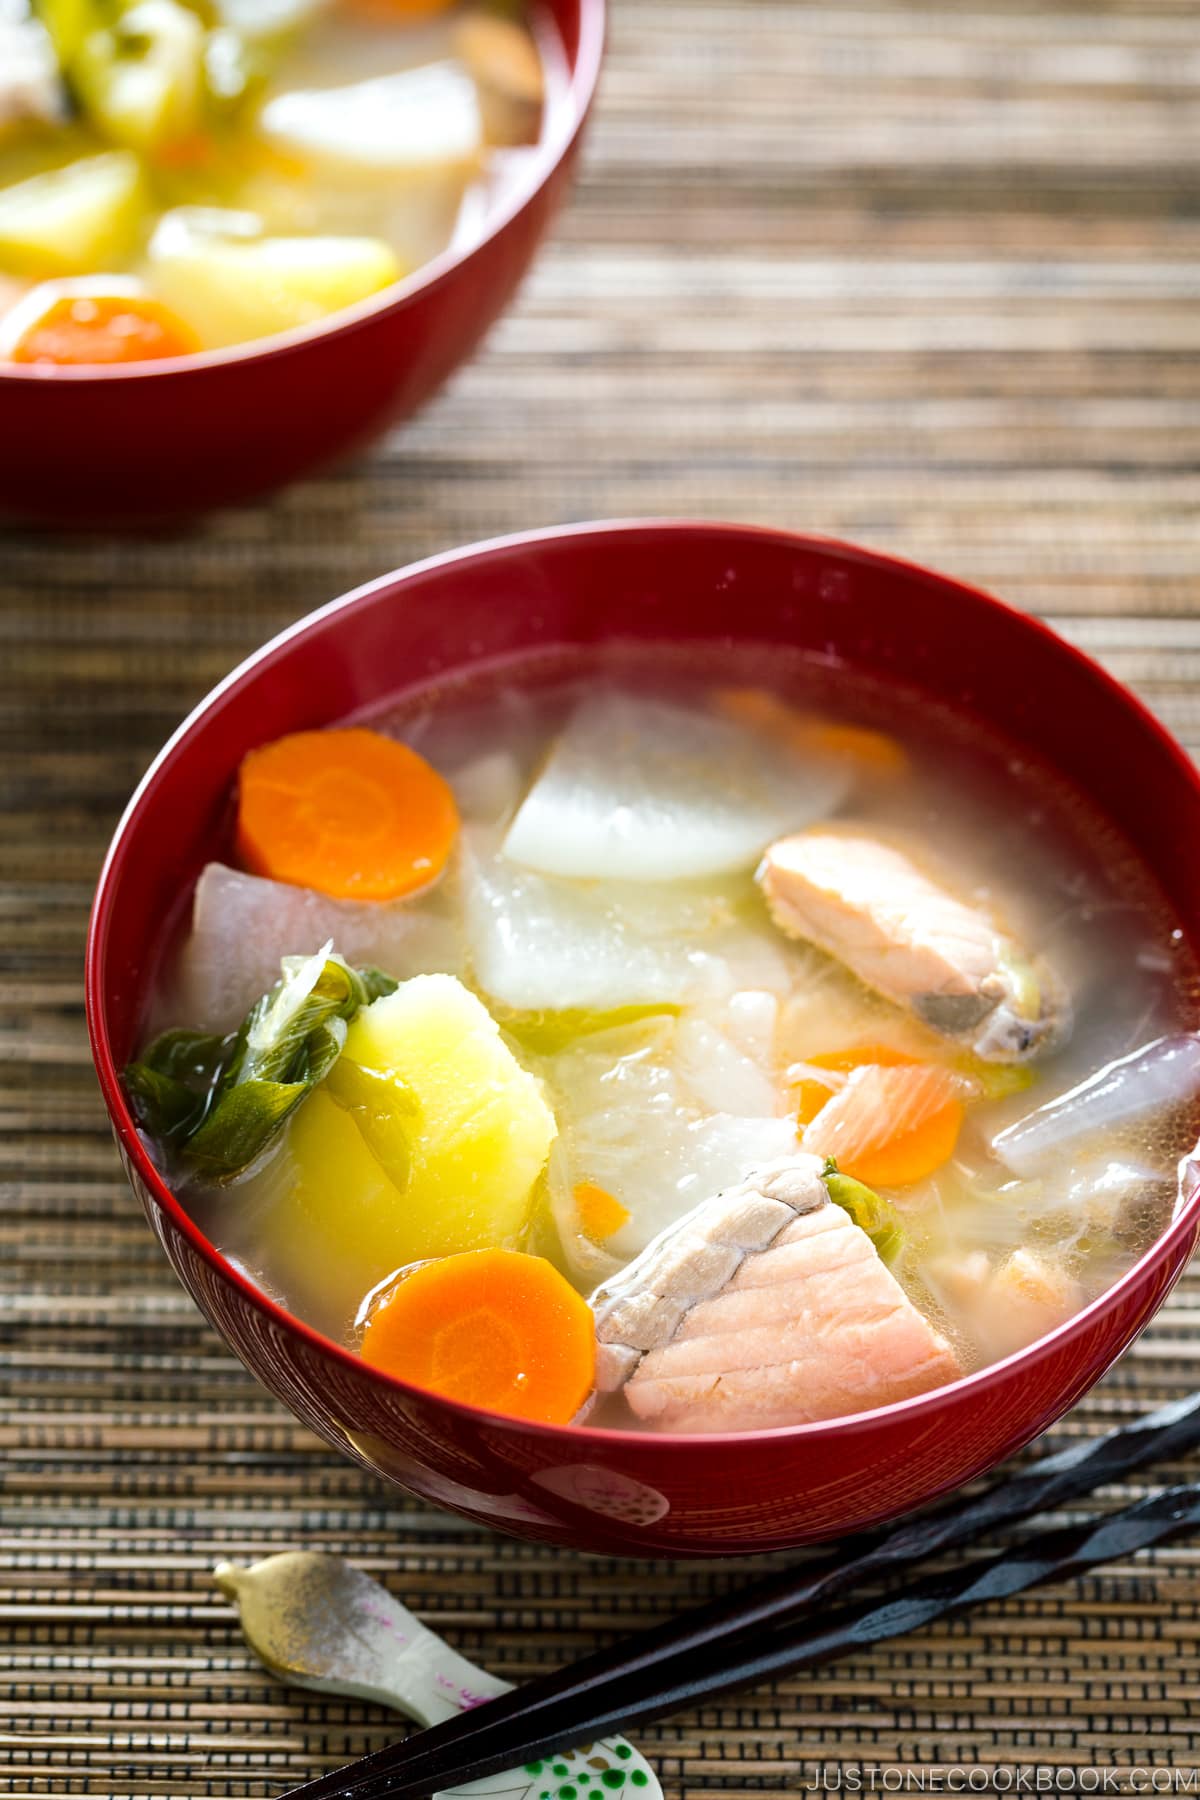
(920, 275)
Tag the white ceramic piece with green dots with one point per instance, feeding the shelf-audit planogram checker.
(318, 1621)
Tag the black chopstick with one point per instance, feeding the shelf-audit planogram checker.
(477, 1744)
(639, 1663)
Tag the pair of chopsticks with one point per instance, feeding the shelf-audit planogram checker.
(767, 1629)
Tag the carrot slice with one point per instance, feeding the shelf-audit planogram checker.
(195, 151)
(77, 330)
(409, 10)
(600, 1213)
(890, 1125)
(874, 751)
(351, 813)
(493, 1328)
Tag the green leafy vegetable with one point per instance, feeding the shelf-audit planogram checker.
(547, 1032)
(172, 1086)
(239, 1129)
(149, 73)
(219, 1102)
(869, 1210)
(140, 76)
(996, 1081)
(164, 1107)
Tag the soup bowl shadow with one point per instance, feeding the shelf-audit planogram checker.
(152, 445)
(637, 1493)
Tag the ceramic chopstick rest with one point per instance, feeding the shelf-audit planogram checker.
(319, 1622)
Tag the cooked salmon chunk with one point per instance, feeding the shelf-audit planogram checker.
(640, 1307)
(763, 1307)
(869, 906)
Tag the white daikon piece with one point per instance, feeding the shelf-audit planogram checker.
(720, 1074)
(537, 945)
(241, 923)
(410, 124)
(488, 788)
(1160, 1075)
(642, 790)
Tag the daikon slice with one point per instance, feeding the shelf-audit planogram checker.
(404, 126)
(1162, 1074)
(643, 790)
(487, 789)
(721, 1074)
(240, 922)
(750, 1019)
(536, 944)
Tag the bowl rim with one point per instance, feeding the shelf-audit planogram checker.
(550, 154)
(1184, 1223)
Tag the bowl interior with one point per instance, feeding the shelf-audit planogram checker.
(669, 581)
(577, 31)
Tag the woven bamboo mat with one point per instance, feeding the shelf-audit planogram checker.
(924, 276)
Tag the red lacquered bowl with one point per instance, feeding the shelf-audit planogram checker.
(159, 442)
(602, 1490)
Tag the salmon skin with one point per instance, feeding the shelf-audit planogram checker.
(763, 1306)
(869, 906)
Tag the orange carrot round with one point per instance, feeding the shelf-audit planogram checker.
(493, 1328)
(351, 813)
(408, 12)
(82, 329)
(892, 1124)
(874, 751)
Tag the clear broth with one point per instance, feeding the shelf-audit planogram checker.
(994, 825)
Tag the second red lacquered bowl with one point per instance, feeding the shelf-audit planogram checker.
(601, 1490)
(152, 443)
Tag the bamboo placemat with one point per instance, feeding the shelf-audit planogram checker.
(920, 275)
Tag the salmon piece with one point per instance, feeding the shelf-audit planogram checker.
(869, 906)
(640, 1307)
(1012, 1303)
(890, 1126)
(765, 1306)
(1028, 1295)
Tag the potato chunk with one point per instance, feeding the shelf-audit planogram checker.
(466, 1133)
(426, 1138)
(230, 288)
(73, 220)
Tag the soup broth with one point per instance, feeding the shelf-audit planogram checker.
(176, 176)
(760, 1006)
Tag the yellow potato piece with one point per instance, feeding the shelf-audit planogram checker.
(475, 1126)
(229, 290)
(333, 1220)
(426, 1138)
(74, 220)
